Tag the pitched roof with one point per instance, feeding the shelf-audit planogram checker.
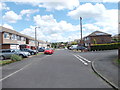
(3, 29)
(98, 33)
(116, 36)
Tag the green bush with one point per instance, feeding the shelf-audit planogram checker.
(16, 58)
(110, 46)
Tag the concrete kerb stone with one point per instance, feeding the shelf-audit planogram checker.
(105, 79)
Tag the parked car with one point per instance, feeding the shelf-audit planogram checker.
(36, 51)
(65, 48)
(81, 48)
(41, 49)
(7, 53)
(48, 51)
(32, 52)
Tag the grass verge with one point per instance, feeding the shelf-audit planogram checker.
(117, 61)
(4, 62)
(40, 53)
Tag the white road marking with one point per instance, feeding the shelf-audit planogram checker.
(81, 60)
(14, 72)
(18, 70)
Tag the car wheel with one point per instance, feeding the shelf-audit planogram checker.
(2, 58)
(32, 53)
(21, 56)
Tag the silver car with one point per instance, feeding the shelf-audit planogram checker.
(7, 53)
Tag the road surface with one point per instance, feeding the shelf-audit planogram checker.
(63, 69)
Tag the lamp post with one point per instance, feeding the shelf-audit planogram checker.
(81, 31)
(36, 38)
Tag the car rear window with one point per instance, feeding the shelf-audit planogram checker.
(6, 51)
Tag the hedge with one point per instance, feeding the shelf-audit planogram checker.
(110, 46)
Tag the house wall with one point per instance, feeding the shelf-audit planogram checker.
(13, 41)
(5, 46)
(31, 43)
(97, 39)
(9, 38)
(1, 40)
(1, 37)
(100, 39)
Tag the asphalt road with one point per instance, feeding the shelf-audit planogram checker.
(63, 69)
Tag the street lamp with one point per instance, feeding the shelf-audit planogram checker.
(81, 31)
(36, 38)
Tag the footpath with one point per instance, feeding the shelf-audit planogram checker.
(108, 70)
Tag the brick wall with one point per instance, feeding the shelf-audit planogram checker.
(5, 46)
(1, 37)
(100, 39)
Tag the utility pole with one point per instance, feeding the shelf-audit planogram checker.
(81, 31)
(36, 38)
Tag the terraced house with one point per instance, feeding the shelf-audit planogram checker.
(11, 39)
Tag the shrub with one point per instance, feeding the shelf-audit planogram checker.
(16, 58)
(105, 46)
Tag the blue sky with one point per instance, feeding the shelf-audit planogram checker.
(59, 21)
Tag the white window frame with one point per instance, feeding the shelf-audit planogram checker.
(8, 35)
(13, 37)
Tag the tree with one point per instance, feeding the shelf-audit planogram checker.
(74, 43)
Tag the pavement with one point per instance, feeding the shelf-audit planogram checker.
(103, 64)
(106, 68)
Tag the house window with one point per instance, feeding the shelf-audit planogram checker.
(23, 38)
(87, 38)
(13, 37)
(18, 38)
(32, 41)
(6, 35)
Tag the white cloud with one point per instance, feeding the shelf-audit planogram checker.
(115, 1)
(50, 29)
(87, 11)
(42, 1)
(91, 27)
(104, 20)
(8, 26)
(60, 4)
(50, 4)
(50, 25)
(109, 1)
(3, 6)
(28, 12)
(109, 21)
(11, 17)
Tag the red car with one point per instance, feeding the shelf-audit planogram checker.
(48, 51)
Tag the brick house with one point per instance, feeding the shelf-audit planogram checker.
(97, 37)
(11, 39)
(116, 38)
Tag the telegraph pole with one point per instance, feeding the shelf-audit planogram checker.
(36, 38)
(81, 31)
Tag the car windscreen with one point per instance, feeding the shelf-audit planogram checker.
(47, 49)
(15, 50)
